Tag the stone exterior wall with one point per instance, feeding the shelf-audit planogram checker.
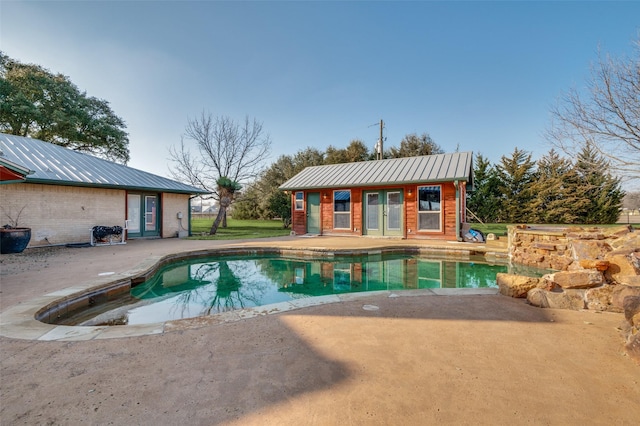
(597, 269)
(558, 247)
(61, 214)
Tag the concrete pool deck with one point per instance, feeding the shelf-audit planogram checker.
(374, 359)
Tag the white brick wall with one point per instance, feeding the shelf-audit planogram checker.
(65, 214)
(61, 214)
(171, 205)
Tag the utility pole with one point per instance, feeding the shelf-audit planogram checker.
(380, 148)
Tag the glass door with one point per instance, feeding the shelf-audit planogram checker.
(383, 213)
(133, 214)
(313, 213)
(393, 217)
(143, 215)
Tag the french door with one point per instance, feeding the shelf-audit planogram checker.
(383, 213)
(143, 215)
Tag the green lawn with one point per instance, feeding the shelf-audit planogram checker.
(500, 229)
(237, 229)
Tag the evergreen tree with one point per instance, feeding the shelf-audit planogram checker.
(484, 197)
(556, 191)
(515, 175)
(248, 204)
(599, 186)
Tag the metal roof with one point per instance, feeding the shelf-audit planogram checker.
(53, 164)
(395, 171)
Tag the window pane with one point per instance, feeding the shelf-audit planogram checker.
(372, 211)
(342, 201)
(342, 220)
(133, 213)
(429, 198)
(299, 200)
(150, 213)
(429, 221)
(394, 207)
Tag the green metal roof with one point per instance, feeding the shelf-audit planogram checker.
(395, 171)
(53, 164)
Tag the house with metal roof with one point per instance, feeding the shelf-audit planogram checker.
(62, 194)
(413, 197)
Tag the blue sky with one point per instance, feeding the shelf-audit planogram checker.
(478, 76)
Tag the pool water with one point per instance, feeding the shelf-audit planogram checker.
(200, 287)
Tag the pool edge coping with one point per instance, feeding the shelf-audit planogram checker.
(19, 321)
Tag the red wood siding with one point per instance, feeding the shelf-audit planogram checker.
(298, 217)
(448, 225)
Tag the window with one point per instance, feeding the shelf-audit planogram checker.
(299, 200)
(429, 208)
(342, 209)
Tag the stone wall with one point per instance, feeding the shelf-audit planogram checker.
(596, 268)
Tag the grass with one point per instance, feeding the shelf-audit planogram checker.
(500, 229)
(237, 229)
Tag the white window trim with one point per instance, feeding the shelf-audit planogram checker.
(341, 213)
(432, 212)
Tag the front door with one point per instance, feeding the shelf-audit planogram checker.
(313, 213)
(143, 215)
(383, 213)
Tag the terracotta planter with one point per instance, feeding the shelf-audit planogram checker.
(14, 240)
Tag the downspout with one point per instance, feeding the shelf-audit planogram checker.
(189, 217)
(457, 185)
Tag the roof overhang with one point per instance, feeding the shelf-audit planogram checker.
(11, 172)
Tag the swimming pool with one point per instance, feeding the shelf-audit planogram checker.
(205, 286)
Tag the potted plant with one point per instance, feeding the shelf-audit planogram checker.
(13, 238)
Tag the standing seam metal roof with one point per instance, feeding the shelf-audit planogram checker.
(423, 169)
(53, 164)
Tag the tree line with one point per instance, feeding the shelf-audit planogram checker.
(552, 190)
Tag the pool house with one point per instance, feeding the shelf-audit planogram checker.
(415, 197)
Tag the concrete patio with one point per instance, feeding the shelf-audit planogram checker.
(447, 359)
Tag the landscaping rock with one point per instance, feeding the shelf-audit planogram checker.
(515, 285)
(599, 299)
(621, 265)
(600, 265)
(620, 292)
(586, 278)
(633, 347)
(630, 280)
(560, 263)
(568, 299)
(631, 305)
(590, 249)
(628, 241)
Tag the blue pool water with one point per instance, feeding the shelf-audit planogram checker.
(200, 287)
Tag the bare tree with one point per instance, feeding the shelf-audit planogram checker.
(225, 149)
(607, 117)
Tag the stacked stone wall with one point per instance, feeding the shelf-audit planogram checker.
(597, 268)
